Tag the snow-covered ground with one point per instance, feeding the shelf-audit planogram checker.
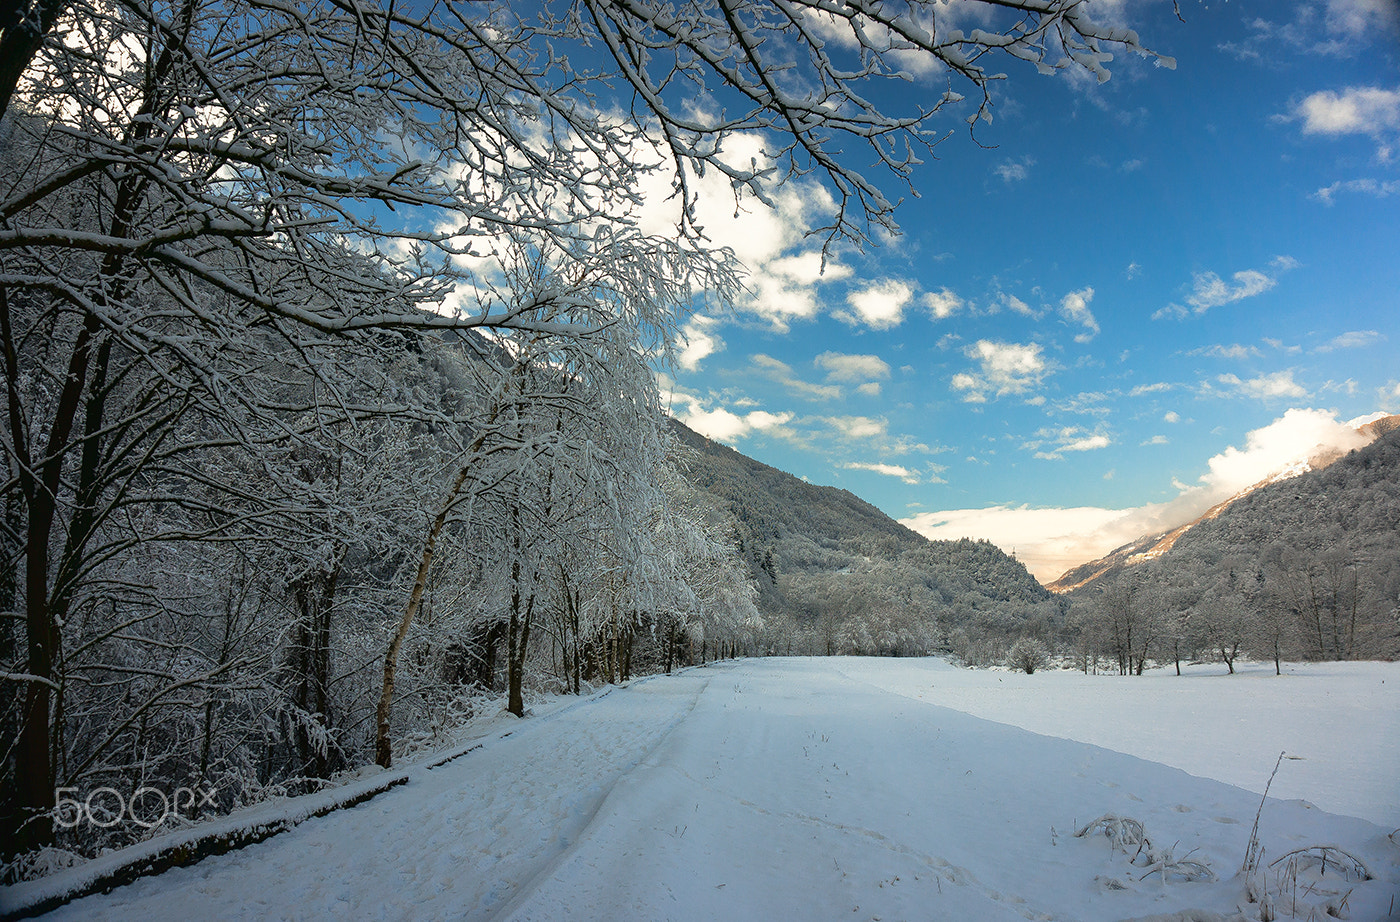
(851, 789)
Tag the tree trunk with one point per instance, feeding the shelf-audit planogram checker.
(517, 644)
(40, 486)
(383, 745)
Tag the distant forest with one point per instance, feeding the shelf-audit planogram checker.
(1307, 568)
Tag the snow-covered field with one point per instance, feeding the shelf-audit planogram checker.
(852, 789)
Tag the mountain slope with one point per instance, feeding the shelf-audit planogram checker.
(1151, 547)
(828, 563)
(1307, 567)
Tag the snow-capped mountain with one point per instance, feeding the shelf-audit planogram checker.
(1152, 547)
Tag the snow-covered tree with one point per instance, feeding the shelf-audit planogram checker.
(190, 183)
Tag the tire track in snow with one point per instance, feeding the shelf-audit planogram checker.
(939, 866)
(461, 841)
(583, 815)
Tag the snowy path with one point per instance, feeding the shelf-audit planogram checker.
(770, 789)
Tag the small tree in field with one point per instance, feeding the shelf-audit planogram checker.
(1028, 655)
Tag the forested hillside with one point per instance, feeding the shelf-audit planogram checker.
(1151, 546)
(1306, 567)
(837, 575)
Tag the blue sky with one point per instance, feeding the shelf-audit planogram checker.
(1135, 299)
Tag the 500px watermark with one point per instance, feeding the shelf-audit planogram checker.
(146, 806)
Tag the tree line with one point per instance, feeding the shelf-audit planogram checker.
(1304, 569)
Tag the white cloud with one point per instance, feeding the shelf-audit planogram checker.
(1019, 306)
(1171, 416)
(1047, 541)
(1360, 19)
(888, 470)
(1354, 339)
(1074, 307)
(879, 306)
(1285, 443)
(1235, 352)
(784, 267)
(838, 32)
(1340, 28)
(697, 341)
(1004, 368)
(1051, 541)
(1266, 387)
(1377, 188)
(852, 368)
(723, 425)
(942, 304)
(782, 373)
(1210, 290)
(1015, 170)
(858, 428)
(807, 268)
(1356, 110)
(1050, 444)
(869, 389)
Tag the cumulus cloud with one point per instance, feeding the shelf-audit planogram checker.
(1003, 369)
(1074, 307)
(722, 418)
(1265, 387)
(879, 306)
(697, 341)
(784, 266)
(1051, 541)
(942, 304)
(724, 425)
(852, 368)
(1286, 443)
(1369, 110)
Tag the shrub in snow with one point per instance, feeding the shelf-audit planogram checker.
(1028, 655)
(1128, 836)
